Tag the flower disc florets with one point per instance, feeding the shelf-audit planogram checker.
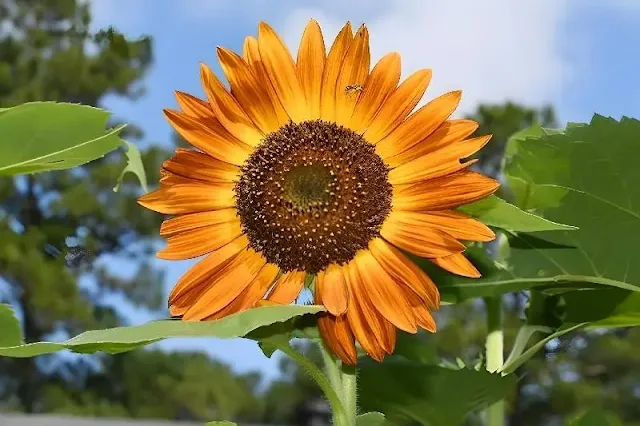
(312, 194)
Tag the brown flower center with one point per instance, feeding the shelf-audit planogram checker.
(312, 194)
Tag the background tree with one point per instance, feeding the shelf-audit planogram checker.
(44, 55)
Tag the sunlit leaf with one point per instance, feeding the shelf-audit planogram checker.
(585, 176)
(428, 394)
(221, 423)
(10, 333)
(121, 339)
(496, 212)
(44, 136)
(134, 165)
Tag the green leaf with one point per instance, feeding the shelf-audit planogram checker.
(121, 339)
(134, 165)
(370, 419)
(221, 423)
(428, 394)
(496, 212)
(44, 136)
(596, 417)
(10, 333)
(585, 176)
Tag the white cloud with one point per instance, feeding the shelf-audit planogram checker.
(493, 50)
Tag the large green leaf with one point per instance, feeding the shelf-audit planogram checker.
(428, 394)
(585, 176)
(121, 339)
(134, 165)
(10, 333)
(43, 136)
(496, 212)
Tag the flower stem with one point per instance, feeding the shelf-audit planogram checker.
(350, 393)
(494, 354)
(343, 380)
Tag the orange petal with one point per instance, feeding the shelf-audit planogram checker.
(199, 241)
(458, 225)
(282, 73)
(195, 107)
(354, 71)
(425, 319)
(404, 271)
(249, 91)
(449, 132)
(384, 293)
(398, 105)
(331, 288)
(458, 264)
(196, 280)
(377, 87)
(227, 110)
(338, 337)
(209, 136)
(310, 66)
(425, 243)
(444, 193)
(439, 163)
(200, 167)
(332, 68)
(375, 334)
(287, 288)
(169, 179)
(189, 198)
(227, 285)
(251, 54)
(250, 295)
(188, 222)
(419, 125)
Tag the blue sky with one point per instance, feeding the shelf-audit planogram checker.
(579, 55)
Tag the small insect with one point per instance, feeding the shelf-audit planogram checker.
(74, 257)
(353, 89)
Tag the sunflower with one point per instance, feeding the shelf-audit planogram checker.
(319, 167)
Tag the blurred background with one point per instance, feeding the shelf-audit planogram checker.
(518, 63)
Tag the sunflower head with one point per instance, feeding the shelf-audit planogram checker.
(319, 166)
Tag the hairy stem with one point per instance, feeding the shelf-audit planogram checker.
(349, 393)
(343, 381)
